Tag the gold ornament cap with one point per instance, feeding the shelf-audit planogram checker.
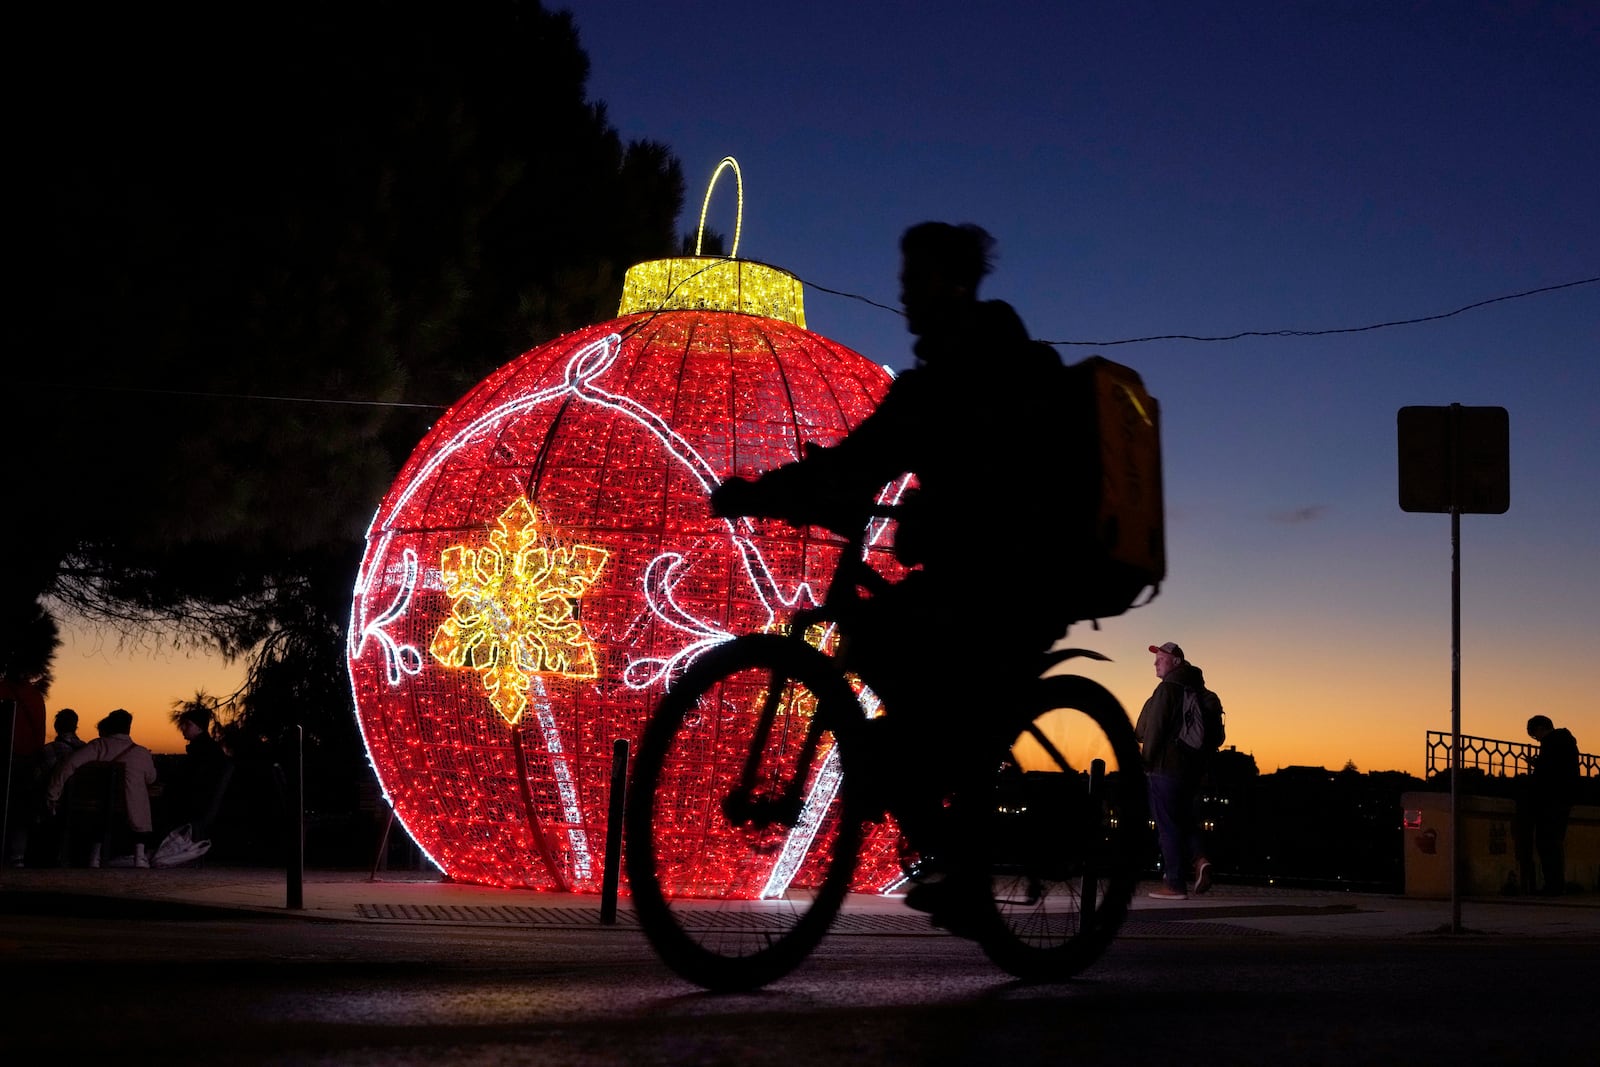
(715, 283)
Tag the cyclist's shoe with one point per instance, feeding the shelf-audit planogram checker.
(1202, 875)
(917, 865)
(1167, 893)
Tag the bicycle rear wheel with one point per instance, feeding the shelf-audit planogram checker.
(1064, 826)
(734, 888)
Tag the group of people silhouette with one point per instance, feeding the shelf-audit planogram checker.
(73, 800)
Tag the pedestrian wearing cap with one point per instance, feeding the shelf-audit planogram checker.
(1175, 773)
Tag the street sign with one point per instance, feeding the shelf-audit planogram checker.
(1455, 459)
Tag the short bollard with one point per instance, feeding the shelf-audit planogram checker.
(613, 871)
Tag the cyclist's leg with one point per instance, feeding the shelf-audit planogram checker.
(946, 692)
(960, 752)
(888, 648)
(958, 704)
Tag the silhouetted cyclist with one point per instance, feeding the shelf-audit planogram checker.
(987, 530)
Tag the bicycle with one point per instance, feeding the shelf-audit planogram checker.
(762, 741)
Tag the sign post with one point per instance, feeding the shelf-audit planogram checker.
(1455, 459)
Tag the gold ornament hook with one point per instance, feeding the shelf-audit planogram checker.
(738, 219)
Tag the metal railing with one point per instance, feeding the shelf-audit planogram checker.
(1505, 759)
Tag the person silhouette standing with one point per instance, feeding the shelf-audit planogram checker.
(64, 744)
(207, 770)
(1175, 772)
(1552, 790)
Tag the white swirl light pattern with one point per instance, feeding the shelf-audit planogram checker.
(585, 366)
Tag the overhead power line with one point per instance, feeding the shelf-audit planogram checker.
(897, 311)
(1261, 333)
(1342, 329)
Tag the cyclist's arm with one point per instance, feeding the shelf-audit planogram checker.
(831, 486)
(799, 494)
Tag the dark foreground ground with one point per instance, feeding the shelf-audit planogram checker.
(208, 966)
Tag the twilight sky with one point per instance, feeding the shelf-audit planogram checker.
(1170, 168)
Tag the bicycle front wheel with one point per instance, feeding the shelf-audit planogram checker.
(1066, 819)
(741, 841)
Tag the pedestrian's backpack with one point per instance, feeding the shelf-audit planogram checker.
(1114, 526)
(1202, 728)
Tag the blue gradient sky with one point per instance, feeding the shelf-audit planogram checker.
(1158, 168)
(1173, 168)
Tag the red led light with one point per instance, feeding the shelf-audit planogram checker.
(546, 561)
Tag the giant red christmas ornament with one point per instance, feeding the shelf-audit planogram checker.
(546, 562)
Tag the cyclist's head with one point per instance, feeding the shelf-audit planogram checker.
(941, 266)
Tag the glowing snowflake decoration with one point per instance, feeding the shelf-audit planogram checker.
(512, 612)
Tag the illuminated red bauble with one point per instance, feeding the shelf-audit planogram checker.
(546, 562)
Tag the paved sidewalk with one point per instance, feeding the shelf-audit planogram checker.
(355, 896)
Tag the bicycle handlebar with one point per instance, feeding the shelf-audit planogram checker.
(852, 570)
(850, 522)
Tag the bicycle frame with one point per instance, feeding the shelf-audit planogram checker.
(851, 574)
(745, 804)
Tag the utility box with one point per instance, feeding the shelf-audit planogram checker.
(1488, 846)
